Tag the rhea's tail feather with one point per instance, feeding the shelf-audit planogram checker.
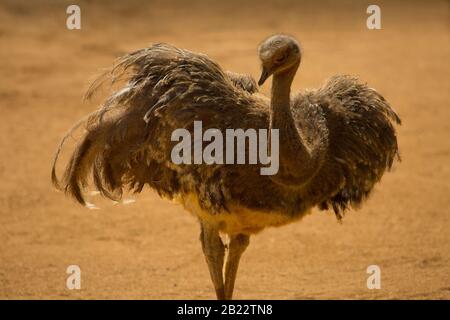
(77, 169)
(56, 182)
(112, 151)
(112, 147)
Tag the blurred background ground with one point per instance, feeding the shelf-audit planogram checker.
(150, 249)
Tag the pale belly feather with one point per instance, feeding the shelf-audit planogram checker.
(239, 219)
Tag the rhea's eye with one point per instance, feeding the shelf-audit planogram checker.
(280, 58)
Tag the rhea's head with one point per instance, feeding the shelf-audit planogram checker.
(278, 53)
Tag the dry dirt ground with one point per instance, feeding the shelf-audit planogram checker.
(150, 249)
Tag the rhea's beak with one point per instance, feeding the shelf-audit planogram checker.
(264, 75)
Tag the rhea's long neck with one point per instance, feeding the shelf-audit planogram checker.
(296, 165)
(280, 106)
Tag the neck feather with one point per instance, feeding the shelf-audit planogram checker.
(296, 164)
(281, 90)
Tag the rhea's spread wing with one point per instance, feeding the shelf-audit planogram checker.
(127, 142)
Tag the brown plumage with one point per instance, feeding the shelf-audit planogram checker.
(335, 143)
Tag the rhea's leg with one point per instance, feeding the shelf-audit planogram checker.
(214, 252)
(238, 244)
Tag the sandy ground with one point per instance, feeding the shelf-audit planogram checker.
(150, 249)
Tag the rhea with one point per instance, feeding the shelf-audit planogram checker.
(336, 142)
